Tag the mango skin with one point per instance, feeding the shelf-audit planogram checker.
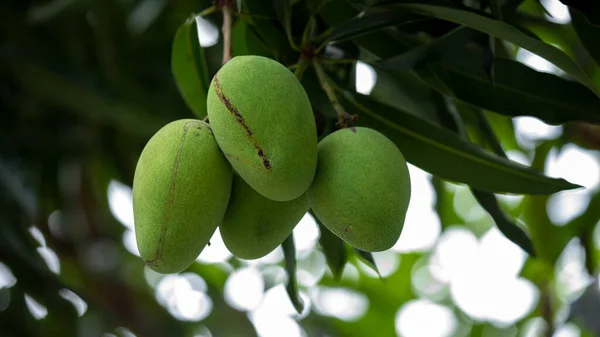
(263, 122)
(361, 190)
(253, 225)
(181, 189)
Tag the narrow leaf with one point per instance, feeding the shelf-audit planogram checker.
(512, 232)
(188, 65)
(430, 51)
(496, 6)
(334, 249)
(519, 90)
(239, 40)
(284, 13)
(486, 199)
(503, 31)
(445, 154)
(367, 257)
(587, 32)
(549, 240)
(362, 25)
(289, 253)
(77, 98)
(380, 44)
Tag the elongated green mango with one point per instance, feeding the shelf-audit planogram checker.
(263, 122)
(361, 189)
(181, 188)
(253, 225)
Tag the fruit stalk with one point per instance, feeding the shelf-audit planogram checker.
(226, 29)
(344, 119)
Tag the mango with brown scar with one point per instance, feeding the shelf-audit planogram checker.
(253, 225)
(181, 188)
(361, 189)
(263, 122)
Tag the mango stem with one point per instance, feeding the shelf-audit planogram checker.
(344, 119)
(226, 29)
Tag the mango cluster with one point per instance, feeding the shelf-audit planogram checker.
(256, 170)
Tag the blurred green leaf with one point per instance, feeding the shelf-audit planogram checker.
(587, 32)
(333, 248)
(496, 6)
(188, 65)
(486, 199)
(284, 13)
(443, 153)
(239, 43)
(367, 258)
(548, 240)
(507, 226)
(587, 220)
(504, 31)
(289, 253)
(518, 90)
(83, 101)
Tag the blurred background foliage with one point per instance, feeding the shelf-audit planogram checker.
(456, 84)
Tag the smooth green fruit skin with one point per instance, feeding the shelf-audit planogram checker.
(361, 189)
(253, 225)
(181, 189)
(263, 122)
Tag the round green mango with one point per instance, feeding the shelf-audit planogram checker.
(181, 189)
(361, 189)
(263, 123)
(253, 225)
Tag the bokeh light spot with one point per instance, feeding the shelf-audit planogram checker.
(423, 318)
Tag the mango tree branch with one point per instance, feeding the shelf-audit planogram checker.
(344, 119)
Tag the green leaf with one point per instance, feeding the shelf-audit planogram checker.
(512, 232)
(367, 258)
(380, 44)
(263, 24)
(188, 65)
(404, 90)
(496, 6)
(369, 23)
(445, 154)
(430, 51)
(284, 13)
(239, 41)
(503, 31)
(519, 90)
(549, 240)
(334, 249)
(587, 32)
(79, 99)
(587, 221)
(289, 253)
(486, 199)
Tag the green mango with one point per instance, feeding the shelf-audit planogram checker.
(361, 190)
(253, 225)
(181, 189)
(263, 123)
